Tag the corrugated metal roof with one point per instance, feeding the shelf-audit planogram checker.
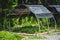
(58, 9)
(44, 15)
(56, 6)
(40, 11)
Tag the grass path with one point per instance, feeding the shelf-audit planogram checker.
(51, 36)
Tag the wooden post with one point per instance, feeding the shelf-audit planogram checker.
(55, 23)
(48, 24)
(9, 25)
(38, 24)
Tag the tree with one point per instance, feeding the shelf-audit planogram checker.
(5, 7)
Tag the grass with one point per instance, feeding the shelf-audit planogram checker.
(30, 37)
(58, 30)
(10, 36)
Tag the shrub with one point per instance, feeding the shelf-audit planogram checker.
(9, 36)
(28, 29)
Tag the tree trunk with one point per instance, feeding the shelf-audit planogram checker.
(3, 15)
(44, 2)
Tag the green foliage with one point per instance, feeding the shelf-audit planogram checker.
(26, 29)
(44, 20)
(8, 4)
(58, 30)
(30, 25)
(29, 29)
(10, 36)
(29, 21)
(43, 29)
(15, 21)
